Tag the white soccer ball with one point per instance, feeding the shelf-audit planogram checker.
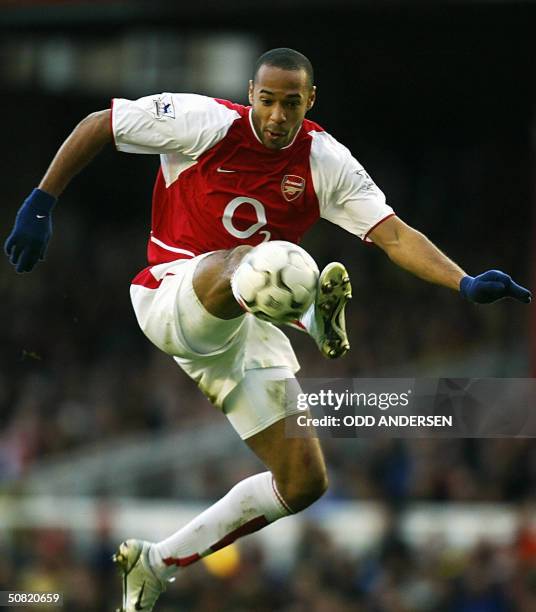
(276, 281)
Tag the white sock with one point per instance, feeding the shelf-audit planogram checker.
(249, 506)
(308, 318)
(306, 323)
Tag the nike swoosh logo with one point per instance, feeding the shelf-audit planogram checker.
(224, 170)
(137, 605)
(41, 216)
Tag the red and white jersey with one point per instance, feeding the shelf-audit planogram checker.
(218, 186)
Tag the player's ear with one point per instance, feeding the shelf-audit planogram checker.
(250, 92)
(312, 98)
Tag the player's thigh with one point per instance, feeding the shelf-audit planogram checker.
(172, 316)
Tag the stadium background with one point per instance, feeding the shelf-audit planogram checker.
(102, 437)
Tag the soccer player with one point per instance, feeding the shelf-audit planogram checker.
(232, 177)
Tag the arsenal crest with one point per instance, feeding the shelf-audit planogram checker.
(292, 187)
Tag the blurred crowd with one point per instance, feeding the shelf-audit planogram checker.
(391, 577)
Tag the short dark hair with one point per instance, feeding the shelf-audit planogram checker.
(286, 59)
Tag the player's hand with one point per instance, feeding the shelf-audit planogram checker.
(491, 286)
(27, 243)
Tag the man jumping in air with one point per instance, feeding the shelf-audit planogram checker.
(221, 190)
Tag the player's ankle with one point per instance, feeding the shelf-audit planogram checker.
(308, 318)
(158, 566)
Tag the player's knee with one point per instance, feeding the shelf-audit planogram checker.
(301, 493)
(316, 487)
(211, 282)
(235, 256)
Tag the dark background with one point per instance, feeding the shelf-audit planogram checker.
(437, 101)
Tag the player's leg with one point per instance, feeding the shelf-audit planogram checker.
(296, 477)
(212, 282)
(324, 321)
(297, 465)
(211, 317)
(258, 409)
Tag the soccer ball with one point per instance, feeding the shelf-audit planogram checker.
(276, 281)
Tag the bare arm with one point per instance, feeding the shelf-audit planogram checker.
(412, 251)
(85, 141)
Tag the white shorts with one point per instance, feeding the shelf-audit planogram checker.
(215, 352)
(261, 398)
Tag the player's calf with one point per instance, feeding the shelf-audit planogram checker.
(297, 464)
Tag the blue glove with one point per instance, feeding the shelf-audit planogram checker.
(27, 243)
(491, 286)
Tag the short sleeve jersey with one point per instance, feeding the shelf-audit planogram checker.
(219, 187)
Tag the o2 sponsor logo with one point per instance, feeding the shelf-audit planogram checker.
(260, 214)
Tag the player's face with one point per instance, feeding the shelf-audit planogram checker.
(279, 98)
